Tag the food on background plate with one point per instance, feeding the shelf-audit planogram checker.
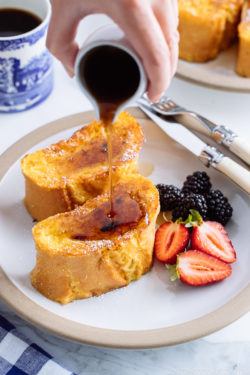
(79, 255)
(208, 27)
(66, 174)
(201, 28)
(243, 60)
(232, 10)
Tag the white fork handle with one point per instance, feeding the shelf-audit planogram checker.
(238, 145)
(237, 173)
(241, 148)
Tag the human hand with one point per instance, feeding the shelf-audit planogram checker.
(150, 26)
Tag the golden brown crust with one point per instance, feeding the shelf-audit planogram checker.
(243, 60)
(207, 27)
(68, 268)
(41, 201)
(66, 174)
(232, 9)
(201, 30)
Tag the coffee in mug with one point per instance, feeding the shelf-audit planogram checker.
(17, 21)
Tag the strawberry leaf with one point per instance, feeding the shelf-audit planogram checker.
(194, 219)
(174, 275)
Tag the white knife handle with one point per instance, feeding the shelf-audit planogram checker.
(220, 134)
(238, 174)
(241, 148)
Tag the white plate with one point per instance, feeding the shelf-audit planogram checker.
(150, 312)
(219, 73)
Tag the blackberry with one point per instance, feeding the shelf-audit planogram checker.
(170, 196)
(197, 183)
(192, 201)
(219, 209)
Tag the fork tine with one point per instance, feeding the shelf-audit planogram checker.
(166, 101)
(170, 105)
(173, 104)
(165, 104)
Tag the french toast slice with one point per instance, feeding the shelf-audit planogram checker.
(206, 27)
(76, 258)
(66, 174)
(243, 59)
(201, 28)
(232, 9)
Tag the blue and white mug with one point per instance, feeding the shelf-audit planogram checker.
(26, 76)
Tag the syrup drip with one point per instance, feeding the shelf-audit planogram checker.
(107, 114)
(112, 77)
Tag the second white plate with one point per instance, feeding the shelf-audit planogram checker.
(218, 73)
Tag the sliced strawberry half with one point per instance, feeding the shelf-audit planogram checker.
(197, 268)
(212, 238)
(170, 239)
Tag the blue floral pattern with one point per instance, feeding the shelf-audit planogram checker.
(14, 79)
(14, 44)
(24, 82)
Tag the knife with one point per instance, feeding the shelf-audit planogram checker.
(194, 121)
(208, 155)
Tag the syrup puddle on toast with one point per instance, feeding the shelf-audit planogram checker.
(98, 225)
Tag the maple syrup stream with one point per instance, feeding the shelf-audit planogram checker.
(111, 76)
(107, 115)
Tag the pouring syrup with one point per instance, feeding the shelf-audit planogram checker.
(112, 77)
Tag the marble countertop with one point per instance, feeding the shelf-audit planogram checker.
(223, 353)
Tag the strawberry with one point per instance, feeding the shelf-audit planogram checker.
(211, 238)
(197, 268)
(170, 239)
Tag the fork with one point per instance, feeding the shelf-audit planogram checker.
(221, 134)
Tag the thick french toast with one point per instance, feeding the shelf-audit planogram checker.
(232, 9)
(201, 30)
(243, 60)
(206, 27)
(66, 174)
(78, 257)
